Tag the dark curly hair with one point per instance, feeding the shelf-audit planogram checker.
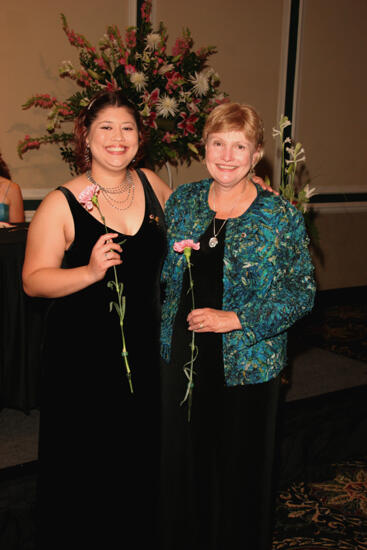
(4, 170)
(86, 117)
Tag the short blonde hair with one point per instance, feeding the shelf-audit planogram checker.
(237, 117)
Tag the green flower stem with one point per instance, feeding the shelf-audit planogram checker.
(189, 366)
(120, 306)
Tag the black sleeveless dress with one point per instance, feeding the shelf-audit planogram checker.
(99, 444)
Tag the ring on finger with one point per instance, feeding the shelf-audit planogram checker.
(201, 325)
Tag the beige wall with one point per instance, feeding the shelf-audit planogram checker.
(330, 120)
(342, 235)
(32, 46)
(248, 36)
(331, 115)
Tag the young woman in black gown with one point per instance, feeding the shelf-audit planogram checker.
(99, 443)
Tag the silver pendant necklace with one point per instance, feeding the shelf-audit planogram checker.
(213, 241)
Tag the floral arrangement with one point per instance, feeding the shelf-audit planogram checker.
(174, 92)
(89, 198)
(291, 157)
(185, 247)
(290, 187)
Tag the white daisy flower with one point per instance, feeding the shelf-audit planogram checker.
(200, 83)
(166, 68)
(166, 106)
(153, 40)
(139, 80)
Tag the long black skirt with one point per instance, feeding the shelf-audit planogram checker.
(217, 480)
(217, 469)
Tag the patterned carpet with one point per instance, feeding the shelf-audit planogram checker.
(338, 323)
(328, 514)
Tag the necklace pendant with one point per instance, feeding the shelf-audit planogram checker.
(213, 241)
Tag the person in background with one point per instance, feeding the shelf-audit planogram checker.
(252, 278)
(11, 200)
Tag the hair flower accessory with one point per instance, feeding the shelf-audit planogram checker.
(89, 198)
(185, 247)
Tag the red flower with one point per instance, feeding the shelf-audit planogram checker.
(167, 138)
(150, 120)
(187, 125)
(130, 38)
(101, 63)
(130, 69)
(123, 60)
(111, 86)
(180, 47)
(151, 99)
(145, 10)
(172, 80)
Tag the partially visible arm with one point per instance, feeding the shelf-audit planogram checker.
(16, 209)
(48, 238)
(289, 294)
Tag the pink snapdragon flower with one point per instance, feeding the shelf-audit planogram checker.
(130, 38)
(88, 196)
(181, 46)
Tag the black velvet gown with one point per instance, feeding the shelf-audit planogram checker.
(216, 487)
(99, 444)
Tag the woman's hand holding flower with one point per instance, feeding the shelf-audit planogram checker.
(105, 254)
(213, 320)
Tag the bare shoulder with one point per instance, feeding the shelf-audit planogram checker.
(54, 207)
(161, 189)
(76, 185)
(9, 187)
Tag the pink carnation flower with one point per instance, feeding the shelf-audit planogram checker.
(86, 196)
(186, 243)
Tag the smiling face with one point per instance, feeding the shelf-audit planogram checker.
(113, 138)
(229, 157)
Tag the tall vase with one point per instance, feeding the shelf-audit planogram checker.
(170, 178)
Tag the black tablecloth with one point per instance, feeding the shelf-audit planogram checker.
(21, 327)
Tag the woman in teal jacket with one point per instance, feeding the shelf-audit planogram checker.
(252, 279)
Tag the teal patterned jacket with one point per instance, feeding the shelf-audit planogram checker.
(267, 278)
